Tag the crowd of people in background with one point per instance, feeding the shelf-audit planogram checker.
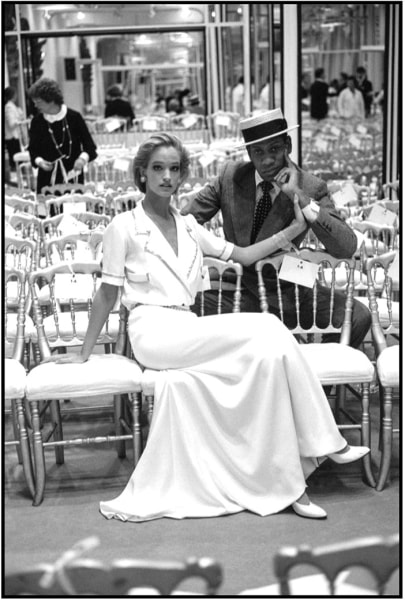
(347, 96)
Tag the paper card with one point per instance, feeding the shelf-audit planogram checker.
(70, 224)
(112, 125)
(189, 121)
(223, 120)
(383, 216)
(350, 192)
(335, 131)
(149, 125)
(297, 270)
(361, 129)
(321, 144)
(354, 141)
(206, 158)
(206, 282)
(121, 164)
(83, 251)
(339, 198)
(78, 286)
(73, 207)
(393, 269)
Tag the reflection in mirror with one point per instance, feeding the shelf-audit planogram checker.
(342, 94)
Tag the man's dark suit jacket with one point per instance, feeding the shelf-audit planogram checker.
(233, 192)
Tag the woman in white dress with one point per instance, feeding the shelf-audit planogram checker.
(238, 420)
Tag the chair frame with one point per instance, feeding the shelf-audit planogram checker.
(379, 334)
(379, 555)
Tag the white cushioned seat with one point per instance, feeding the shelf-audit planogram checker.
(330, 360)
(15, 376)
(11, 328)
(101, 374)
(388, 366)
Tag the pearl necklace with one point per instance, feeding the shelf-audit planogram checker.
(59, 147)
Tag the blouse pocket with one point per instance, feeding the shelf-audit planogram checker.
(138, 277)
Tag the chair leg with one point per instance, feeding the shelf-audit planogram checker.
(39, 455)
(366, 433)
(57, 431)
(24, 446)
(119, 430)
(135, 400)
(386, 448)
(16, 431)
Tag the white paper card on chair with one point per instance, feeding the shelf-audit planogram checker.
(298, 271)
(361, 129)
(70, 224)
(339, 198)
(205, 279)
(393, 269)
(223, 120)
(381, 215)
(149, 124)
(76, 286)
(321, 144)
(189, 121)
(112, 125)
(121, 164)
(355, 141)
(73, 207)
(206, 158)
(83, 251)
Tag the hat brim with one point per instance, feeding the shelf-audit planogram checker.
(266, 137)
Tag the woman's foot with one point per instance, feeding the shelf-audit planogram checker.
(305, 508)
(349, 454)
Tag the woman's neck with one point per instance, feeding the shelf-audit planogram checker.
(157, 206)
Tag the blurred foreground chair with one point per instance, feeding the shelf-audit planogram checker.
(15, 376)
(335, 363)
(125, 577)
(385, 323)
(103, 374)
(377, 557)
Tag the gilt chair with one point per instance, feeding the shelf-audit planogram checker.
(74, 203)
(385, 329)
(335, 363)
(103, 374)
(123, 577)
(15, 373)
(375, 560)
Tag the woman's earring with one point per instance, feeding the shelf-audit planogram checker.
(143, 178)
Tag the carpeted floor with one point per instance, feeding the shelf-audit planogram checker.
(244, 543)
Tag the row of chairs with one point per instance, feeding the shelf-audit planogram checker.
(72, 575)
(47, 384)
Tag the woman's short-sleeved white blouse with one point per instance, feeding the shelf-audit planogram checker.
(138, 258)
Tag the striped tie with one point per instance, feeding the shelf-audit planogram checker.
(262, 209)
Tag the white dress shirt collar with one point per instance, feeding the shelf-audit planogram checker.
(58, 117)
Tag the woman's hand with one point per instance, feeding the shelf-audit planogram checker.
(45, 165)
(64, 358)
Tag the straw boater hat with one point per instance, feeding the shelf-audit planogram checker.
(264, 126)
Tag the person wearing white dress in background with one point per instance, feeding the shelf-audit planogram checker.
(238, 422)
(350, 103)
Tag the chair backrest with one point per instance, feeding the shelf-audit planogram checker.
(16, 279)
(151, 123)
(58, 189)
(385, 315)
(379, 555)
(224, 276)
(20, 253)
(70, 247)
(224, 124)
(381, 238)
(121, 578)
(20, 204)
(334, 273)
(75, 287)
(75, 203)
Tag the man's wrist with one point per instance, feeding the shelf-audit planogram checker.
(310, 210)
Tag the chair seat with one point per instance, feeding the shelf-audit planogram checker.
(353, 365)
(101, 374)
(383, 311)
(388, 366)
(14, 385)
(11, 329)
(66, 335)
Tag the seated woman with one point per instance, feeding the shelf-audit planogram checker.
(238, 422)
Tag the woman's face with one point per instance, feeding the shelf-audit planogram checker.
(46, 107)
(163, 171)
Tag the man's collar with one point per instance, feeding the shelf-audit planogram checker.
(259, 179)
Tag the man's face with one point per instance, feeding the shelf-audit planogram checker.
(269, 156)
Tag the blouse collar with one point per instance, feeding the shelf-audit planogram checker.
(58, 117)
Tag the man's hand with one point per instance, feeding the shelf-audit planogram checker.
(298, 222)
(79, 164)
(288, 180)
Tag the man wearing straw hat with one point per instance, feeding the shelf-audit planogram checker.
(256, 201)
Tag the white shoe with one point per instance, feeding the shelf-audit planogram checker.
(350, 455)
(310, 511)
